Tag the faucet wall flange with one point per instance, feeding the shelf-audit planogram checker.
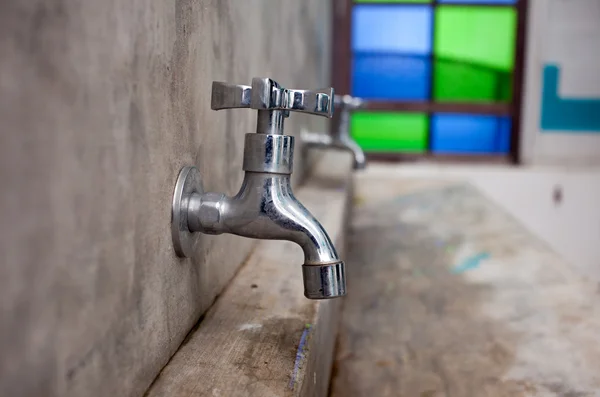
(188, 183)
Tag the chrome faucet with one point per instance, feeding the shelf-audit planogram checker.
(264, 207)
(340, 137)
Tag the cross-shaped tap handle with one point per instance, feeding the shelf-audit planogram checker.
(267, 94)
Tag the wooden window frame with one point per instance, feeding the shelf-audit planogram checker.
(342, 80)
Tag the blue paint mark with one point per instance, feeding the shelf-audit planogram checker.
(560, 114)
(471, 263)
(299, 355)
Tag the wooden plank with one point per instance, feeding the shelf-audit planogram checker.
(262, 337)
(101, 104)
(499, 109)
(438, 158)
(518, 84)
(436, 3)
(450, 296)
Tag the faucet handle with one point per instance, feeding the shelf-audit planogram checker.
(348, 102)
(230, 96)
(267, 94)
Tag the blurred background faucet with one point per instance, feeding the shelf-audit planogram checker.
(340, 136)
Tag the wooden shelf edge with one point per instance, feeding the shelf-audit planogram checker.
(440, 158)
(498, 109)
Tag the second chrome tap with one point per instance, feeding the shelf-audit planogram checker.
(340, 136)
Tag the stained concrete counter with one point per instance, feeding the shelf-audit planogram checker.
(451, 296)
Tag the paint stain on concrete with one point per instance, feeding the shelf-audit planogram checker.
(471, 263)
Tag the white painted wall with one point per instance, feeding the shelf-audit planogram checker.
(571, 227)
(566, 32)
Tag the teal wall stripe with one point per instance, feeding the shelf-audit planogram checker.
(566, 115)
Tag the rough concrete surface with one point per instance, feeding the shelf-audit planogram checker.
(453, 297)
(102, 102)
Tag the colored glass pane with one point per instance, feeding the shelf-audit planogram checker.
(392, 29)
(390, 77)
(463, 82)
(392, 1)
(390, 132)
(474, 53)
(482, 36)
(465, 133)
(479, 1)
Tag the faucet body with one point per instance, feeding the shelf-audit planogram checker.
(265, 206)
(340, 137)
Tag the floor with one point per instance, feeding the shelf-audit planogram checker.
(449, 295)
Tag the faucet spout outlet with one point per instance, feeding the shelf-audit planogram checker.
(265, 206)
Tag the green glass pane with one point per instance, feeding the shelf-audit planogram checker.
(474, 53)
(505, 87)
(482, 36)
(390, 132)
(461, 82)
(392, 1)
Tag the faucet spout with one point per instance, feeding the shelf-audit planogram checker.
(265, 208)
(360, 161)
(340, 142)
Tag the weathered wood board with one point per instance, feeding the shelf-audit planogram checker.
(450, 296)
(262, 337)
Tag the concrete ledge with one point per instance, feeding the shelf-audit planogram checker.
(262, 337)
(452, 296)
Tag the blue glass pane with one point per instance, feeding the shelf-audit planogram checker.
(479, 1)
(465, 133)
(402, 29)
(503, 136)
(393, 77)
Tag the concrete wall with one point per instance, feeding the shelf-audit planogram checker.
(101, 104)
(564, 34)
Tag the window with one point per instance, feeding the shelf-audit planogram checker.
(439, 76)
